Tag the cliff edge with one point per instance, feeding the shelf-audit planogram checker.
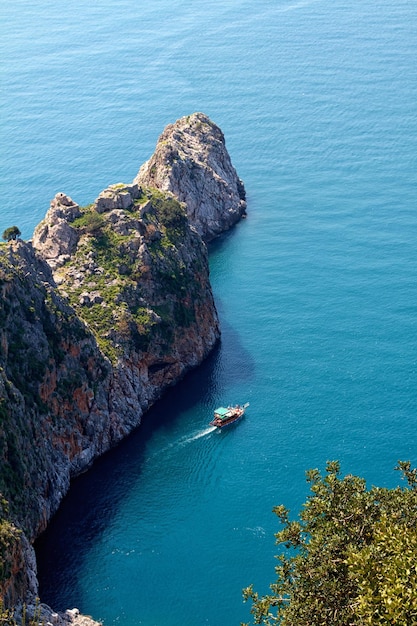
(191, 161)
(106, 308)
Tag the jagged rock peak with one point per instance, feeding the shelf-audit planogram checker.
(192, 162)
(54, 237)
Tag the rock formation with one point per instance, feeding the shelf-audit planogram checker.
(54, 236)
(191, 161)
(107, 307)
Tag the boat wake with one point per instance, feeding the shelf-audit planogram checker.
(180, 443)
(202, 433)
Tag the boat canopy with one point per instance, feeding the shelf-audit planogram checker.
(222, 411)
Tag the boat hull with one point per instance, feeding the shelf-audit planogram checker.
(224, 417)
(225, 424)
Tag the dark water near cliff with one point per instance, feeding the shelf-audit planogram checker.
(316, 290)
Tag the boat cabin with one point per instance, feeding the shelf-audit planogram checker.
(223, 413)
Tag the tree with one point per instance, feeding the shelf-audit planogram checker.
(355, 556)
(11, 233)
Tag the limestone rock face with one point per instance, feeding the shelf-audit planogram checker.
(192, 162)
(54, 237)
(117, 196)
(54, 384)
(89, 343)
(123, 315)
(106, 308)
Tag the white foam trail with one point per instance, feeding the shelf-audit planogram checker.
(185, 440)
(203, 433)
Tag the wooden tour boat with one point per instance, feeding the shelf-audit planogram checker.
(224, 416)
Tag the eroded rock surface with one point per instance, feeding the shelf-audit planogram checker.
(106, 308)
(88, 344)
(54, 237)
(192, 162)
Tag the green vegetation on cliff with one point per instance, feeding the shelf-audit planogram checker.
(24, 618)
(105, 308)
(132, 279)
(355, 556)
(9, 539)
(122, 283)
(44, 355)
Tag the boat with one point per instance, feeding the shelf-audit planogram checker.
(224, 416)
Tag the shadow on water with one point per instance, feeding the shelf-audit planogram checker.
(223, 240)
(96, 496)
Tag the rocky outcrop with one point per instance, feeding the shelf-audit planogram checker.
(40, 613)
(48, 361)
(107, 307)
(55, 237)
(191, 161)
(89, 344)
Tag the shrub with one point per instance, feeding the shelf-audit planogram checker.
(11, 233)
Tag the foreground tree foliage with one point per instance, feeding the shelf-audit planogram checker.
(350, 558)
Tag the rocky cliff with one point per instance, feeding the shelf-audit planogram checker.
(191, 161)
(108, 306)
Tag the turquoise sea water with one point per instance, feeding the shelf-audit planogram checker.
(316, 290)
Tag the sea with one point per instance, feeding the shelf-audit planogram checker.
(316, 290)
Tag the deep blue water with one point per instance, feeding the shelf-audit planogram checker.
(316, 290)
